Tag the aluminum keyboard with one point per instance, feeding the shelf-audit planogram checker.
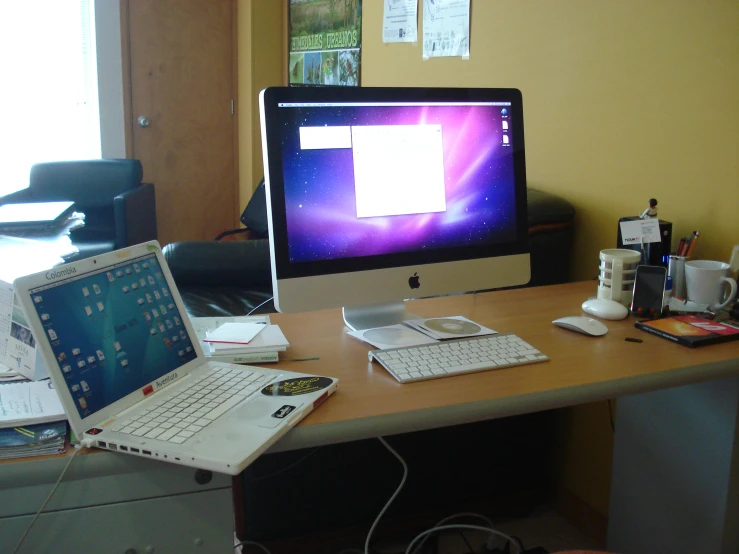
(454, 357)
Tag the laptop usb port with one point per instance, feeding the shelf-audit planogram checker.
(147, 452)
(124, 448)
(112, 446)
(135, 450)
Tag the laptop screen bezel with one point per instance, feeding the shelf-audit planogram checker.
(59, 274)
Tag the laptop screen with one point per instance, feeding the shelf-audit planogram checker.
(113, 330)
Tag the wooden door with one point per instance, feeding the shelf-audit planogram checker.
(182, 81)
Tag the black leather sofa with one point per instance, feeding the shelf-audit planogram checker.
(234, 277)
(120, 209)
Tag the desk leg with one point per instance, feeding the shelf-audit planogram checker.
(675, 479)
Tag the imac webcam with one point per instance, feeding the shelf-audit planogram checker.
(378, 195)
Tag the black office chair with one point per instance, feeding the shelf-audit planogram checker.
(227, 277)
(254, 216)
(120, 210)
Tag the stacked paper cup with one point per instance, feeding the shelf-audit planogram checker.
(617, 271)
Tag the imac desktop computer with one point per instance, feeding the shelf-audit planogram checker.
(378, 195)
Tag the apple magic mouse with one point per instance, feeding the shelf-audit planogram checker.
(582, 324)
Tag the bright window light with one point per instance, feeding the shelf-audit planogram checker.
(49, 93)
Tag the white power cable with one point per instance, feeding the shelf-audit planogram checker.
(455, 516)
(461, 526)
(397, 491)
(86, 443)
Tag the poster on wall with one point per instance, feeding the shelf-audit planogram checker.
(325, 42)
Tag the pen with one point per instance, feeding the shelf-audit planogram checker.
(696, 234)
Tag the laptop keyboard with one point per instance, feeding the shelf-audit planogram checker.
(177, 418)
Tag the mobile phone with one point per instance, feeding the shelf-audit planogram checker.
(649, 289)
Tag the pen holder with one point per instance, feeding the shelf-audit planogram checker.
(676, 270)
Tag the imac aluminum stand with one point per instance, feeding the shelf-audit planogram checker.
(359, 318)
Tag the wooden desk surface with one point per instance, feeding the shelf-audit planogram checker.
(369, 402)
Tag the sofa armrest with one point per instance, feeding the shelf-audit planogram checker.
(135, 216)
(211, 263)
(18, 197)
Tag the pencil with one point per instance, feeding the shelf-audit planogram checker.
(692, 243)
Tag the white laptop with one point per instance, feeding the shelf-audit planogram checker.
(130, 373)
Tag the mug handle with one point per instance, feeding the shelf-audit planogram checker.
(617, 272)
(732, 294)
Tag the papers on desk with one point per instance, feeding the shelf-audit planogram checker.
(392, 336)
(17, 345)
(223, 339)
(7, 375)
(29, 403)
(421, 331)
(234, 332)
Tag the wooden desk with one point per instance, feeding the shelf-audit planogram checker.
(369, 402)
(669, 395)
(675, 480)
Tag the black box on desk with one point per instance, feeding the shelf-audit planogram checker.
(654, 253)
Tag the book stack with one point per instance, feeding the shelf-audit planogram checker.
(33, 440)
(32, 420)
(240, 340)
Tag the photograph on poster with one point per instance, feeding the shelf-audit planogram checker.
(324, 42)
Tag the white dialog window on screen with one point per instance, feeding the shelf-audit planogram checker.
(321, 138)
(398, 169)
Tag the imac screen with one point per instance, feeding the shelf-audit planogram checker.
(376, 178)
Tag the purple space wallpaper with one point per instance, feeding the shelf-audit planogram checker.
(319, 185)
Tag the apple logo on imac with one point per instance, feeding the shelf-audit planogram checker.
(413, 281)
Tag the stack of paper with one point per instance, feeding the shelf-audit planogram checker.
(28, 403)
(240, 340)
(32, 420)
(33, 440)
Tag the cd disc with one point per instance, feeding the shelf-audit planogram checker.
(391, 336)
(452, 326)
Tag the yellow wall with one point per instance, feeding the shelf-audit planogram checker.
(261, 57)
(623, 101)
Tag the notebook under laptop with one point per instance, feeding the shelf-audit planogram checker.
(120, 350)
(38, 216)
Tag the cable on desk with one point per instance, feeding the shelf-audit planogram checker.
(457, 526)
(397, 491)
(85, 443)
(456, 516)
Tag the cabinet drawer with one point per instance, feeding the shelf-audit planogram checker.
(196, 522)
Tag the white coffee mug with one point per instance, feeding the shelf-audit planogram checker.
(615, 261)
(706, 283)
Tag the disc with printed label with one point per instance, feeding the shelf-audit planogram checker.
(391, 336)
(452, 326)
